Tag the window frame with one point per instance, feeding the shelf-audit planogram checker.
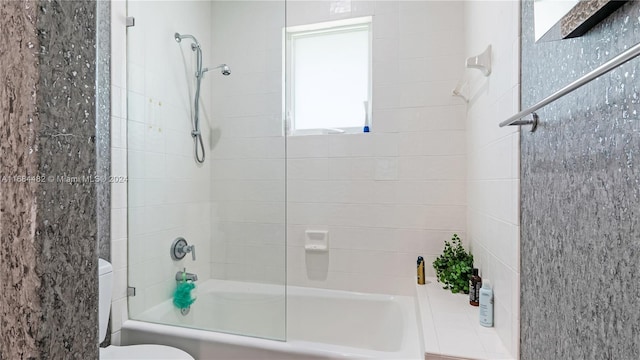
(317, 29)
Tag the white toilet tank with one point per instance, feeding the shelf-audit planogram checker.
(105, 281)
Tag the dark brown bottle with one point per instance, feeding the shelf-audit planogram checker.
(420, 270)
(474, 288)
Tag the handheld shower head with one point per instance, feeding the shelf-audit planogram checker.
(195, 45)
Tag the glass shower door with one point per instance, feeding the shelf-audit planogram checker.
(206, 163)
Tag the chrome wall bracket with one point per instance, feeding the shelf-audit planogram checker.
(131, 21)
(533, 122)
(131, 291)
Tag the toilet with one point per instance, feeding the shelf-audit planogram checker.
(132, 352)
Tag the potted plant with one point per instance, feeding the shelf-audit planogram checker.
(454, 266)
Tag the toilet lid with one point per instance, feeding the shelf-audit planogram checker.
(136, 352)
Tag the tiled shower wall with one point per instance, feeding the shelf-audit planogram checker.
(397, 192)
(247, 149)
(48, 223)
(168, 194)
(385, 197)
(493, 158)
(580, 196)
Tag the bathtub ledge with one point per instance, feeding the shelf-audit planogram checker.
(451, 329)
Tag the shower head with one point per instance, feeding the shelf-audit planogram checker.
(178, 37)
(224, 69)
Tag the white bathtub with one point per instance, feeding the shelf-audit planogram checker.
(321, 324)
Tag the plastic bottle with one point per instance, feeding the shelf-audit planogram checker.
(474, 288)
(486, 304)
(366, 117)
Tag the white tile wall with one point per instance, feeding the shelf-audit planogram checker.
(398, 192)
(402, 185)
(493, 159)
(248, 157)
(169, 195)
(427, 169)
(169, 191)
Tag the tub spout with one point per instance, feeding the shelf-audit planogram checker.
(183, 275)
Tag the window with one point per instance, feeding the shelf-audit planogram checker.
(329, 70)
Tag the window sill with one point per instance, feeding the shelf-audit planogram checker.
(332, 131)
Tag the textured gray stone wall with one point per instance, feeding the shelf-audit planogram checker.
(103, 126)
(580, 174)
(19, 301)
(48, 228)
(103, 134)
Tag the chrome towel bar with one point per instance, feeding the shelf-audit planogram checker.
(627, 55)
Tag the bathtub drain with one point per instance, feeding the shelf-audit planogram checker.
(185, 311)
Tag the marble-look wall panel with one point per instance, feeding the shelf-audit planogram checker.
(66, 216)
(103, 127)
(48, 225)
(19, 302)
(103, 134)
(581, 197)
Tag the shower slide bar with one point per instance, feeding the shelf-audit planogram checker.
(516, 120)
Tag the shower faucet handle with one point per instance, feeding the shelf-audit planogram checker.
(180, 248)
(190, 249)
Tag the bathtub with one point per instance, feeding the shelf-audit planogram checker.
(321, 324)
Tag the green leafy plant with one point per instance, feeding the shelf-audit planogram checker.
(454, 266)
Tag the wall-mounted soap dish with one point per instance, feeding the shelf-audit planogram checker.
(316, 240)
(462, 90)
